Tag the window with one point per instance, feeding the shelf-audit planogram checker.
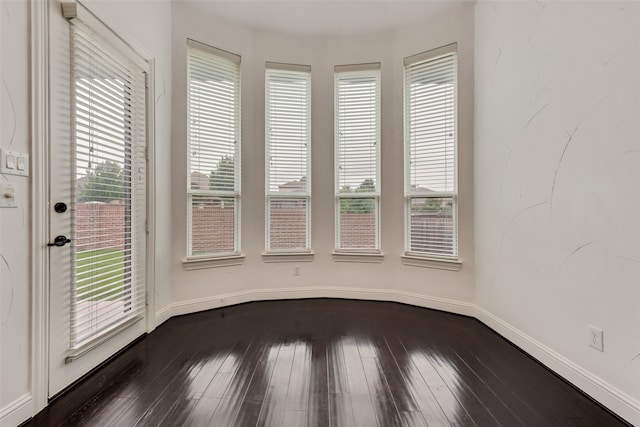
(357, 157)
(213, 181)
(108, 173)
(288, 157)
(430, 115)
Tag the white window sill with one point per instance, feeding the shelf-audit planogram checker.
(422, 261)
(287, 256)
(212, 262)
(372, 257)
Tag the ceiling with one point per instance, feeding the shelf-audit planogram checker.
(327, 17)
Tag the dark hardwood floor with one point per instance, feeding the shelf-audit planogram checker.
(323, 362)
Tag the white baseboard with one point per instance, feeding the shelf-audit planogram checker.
(17, 412)
(162, 315)
(444, 304)
(600, 390)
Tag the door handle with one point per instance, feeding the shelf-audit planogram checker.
(59, 241)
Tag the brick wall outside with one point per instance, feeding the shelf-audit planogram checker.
(101, 226)
(288, 227)
(212, 229)
(358, 231)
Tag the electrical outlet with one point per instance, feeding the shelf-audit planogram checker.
(296, 270)
(595, 338)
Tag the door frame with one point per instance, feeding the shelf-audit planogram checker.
(41, 114)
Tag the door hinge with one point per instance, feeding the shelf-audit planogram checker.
(146, 153)
(146, 298)
(146, 225)
(146, 80)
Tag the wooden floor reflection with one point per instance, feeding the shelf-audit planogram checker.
(323, 362)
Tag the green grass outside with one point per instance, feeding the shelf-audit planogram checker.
(100, 268)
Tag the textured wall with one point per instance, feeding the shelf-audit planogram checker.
(557, 139)
(14, 223)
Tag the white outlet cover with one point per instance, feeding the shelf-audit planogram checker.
(596, 338)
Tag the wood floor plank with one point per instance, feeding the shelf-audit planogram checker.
(298, 391)
(456, 382)
(295, 418)
(203, 409)
(364, 412)
(424, 396)
(318, 410)
(385, 407)
(274, 403)
(412, 419)
(323, 362)
(341, 410)
(398, 388)
(251, 406)
(337, 370)
(517, 404)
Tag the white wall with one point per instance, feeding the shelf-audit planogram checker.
(202, 289)
(14, 223)
(557, 139)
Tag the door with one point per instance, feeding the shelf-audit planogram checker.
(97, 206)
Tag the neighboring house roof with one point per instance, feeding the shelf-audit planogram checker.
(293, 186)
(422, 190)
(199, 180)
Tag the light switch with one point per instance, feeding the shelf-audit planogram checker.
(7, 196)
(10, 161)
(14, 163)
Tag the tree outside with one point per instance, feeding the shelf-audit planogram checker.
(105, 183)
(223, 178)
(358, 205)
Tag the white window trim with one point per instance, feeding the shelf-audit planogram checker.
(375, 257)
(417, 260)
(429, 260)
(272, 257)
(220, 259)
(353, 254)
(197, 263)
(287, 254)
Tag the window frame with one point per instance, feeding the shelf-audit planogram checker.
(343, 72)
(217, 56)
(412, 257)
(283, 69)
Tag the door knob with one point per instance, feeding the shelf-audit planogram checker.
(60, 207)
(59, 241)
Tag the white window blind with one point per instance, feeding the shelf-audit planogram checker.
(357, 157)
(108, 99)
(213, 115)
(288, 157)
(430, 150)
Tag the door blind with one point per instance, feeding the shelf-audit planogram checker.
(288, 157)
(213, 108)
(357, 141)
(109, 197)
(430, 146)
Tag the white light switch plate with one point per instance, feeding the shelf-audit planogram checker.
(14, 163)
